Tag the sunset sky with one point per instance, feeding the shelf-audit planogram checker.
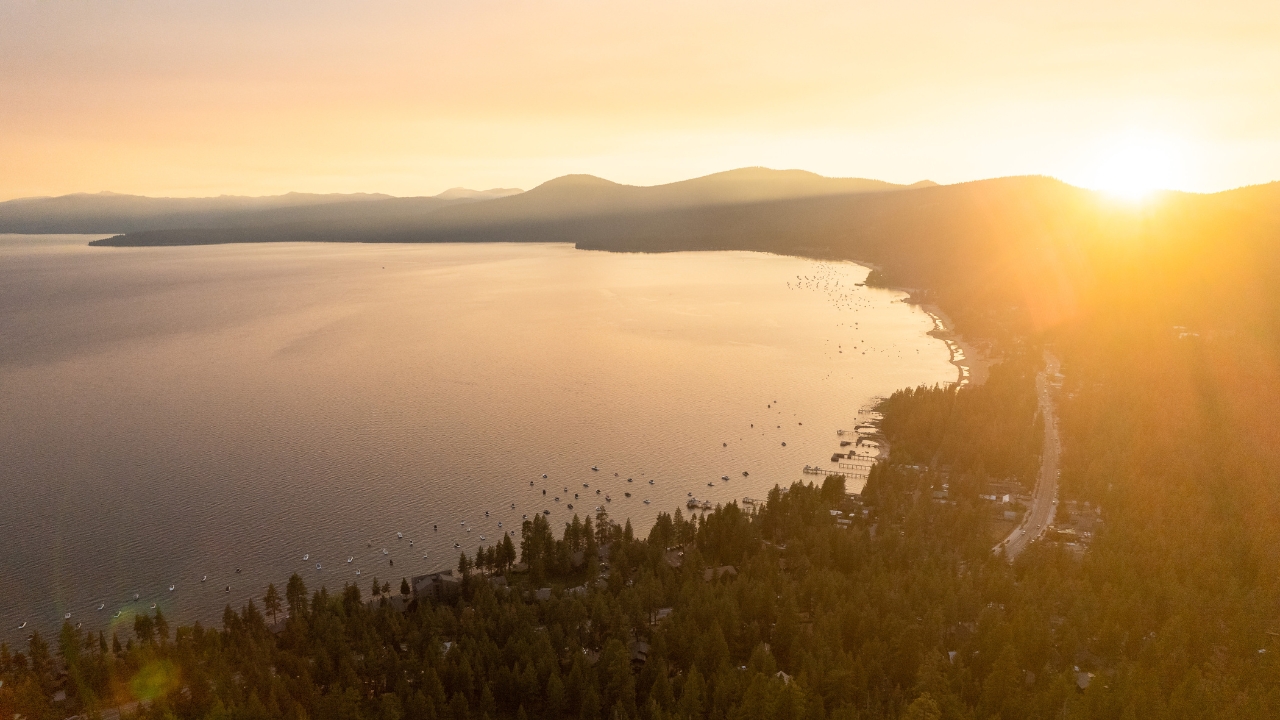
(410, 98)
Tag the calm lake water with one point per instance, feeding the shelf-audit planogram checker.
(176, 413)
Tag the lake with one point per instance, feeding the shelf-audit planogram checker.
(172, 414)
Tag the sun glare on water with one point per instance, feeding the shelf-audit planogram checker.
(1135, 166)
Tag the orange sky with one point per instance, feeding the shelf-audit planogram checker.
(186, 98)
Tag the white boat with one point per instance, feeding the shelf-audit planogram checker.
(399, 536)
(318, 566)
(135, 596)
(546, 512)
(306, 556)
(608, 499)
(481, 537)
(593, 467)
(544, 477)
(153, 606)
(646, 502)
(23, 625)
(353, 557)
(384, 551)
(357, 572)
(203, 578)
(692, 504)
(724, 477)
(650, 482)
(171, 588)
(102, 607)
(117, 614)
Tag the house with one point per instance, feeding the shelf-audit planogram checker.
(542, 594)
(717, 572)
(436, 586)
(639, 652)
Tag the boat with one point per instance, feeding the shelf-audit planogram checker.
(725, 478)
(318, 566)
(24, 624)
(608, 499)
(481, 537)
(384, 551)
(689, 494)
(101, 607)
(499, 523)
(546, 512)
(570, 506)
(784, 444)
(711, 484)
(400, 536)
(135, 596)
(357, 572)
(116, 615)
(585, 485)
(626, 494)
(692, 504)
(306, 556)
(153, 606)
(544, 477)
(596, 469)
(457, 545)
(524, 517)
(203, 578)
(706, 504)
(353, 557)
(170, 588)
(646, 502)
(744, 473)
(513, 506)
(78, 625)
(628, 479)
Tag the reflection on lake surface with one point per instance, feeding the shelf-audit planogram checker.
(175, 413)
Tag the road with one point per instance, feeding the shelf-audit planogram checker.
(1044, 499)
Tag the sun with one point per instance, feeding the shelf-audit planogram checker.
(1136, 165)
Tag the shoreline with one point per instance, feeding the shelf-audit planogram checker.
(970, 365)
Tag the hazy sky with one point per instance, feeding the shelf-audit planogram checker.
(225, 96)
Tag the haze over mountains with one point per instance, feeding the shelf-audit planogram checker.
(114, 212)
(373, 218)
(1008, 254)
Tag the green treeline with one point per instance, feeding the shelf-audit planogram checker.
(990, 430)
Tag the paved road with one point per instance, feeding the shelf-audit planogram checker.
(1044, 499)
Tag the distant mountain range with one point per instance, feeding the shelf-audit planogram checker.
(108, 212)
(1006, 255)
(375, 218)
